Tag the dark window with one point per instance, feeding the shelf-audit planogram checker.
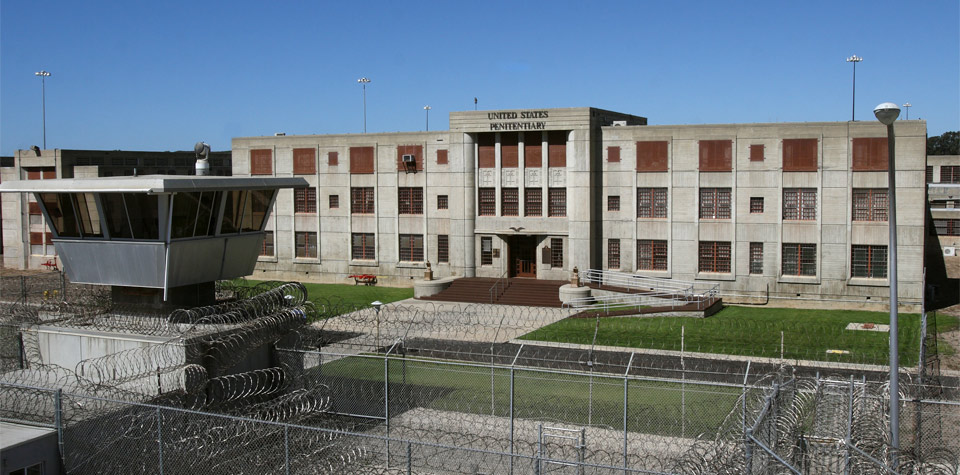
(34, 208)
(128, 215)
(651, 254)
(652, 156)
(556, 252)
(947, 227)
(869, 204)
(868, 261)
(488, 202)
(613, 253)
(950, 174)
(509, 202)
(714, 256)
(486, 251)
(756, 258)
(361, 200)
(443, 202)
(443, 248)
(361, 160)
(756, 204)
(533, 202)
(306, 244)
(799, 259)
(411, 247)
(557, 148)
(799, 155)
(613, 154)
(410, 200)
(334, 201)
(929, 174)
(304, 161)
(260, 162)
(651, 202)
(416, 151)
(305, 200)
(333, 159)
(714, 203)
(509, 150)
(756, 153)
(362, 247)
(558, 202)
(486, 150)
(870, 154)
(800, 204)
(532, 149)
(613, 203)
(442, 157)
(267, 248)
(716, 155)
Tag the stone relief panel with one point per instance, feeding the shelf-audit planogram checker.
(558, 177)
(532, 177)
(486, 177)
(509, 178)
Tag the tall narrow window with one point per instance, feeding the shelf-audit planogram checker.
(486, 251)
(486, 150)
(533, 202)
(509, 202)
(556, 253)
(800, 204)
(950, 174)
(509, 150)
(714, 203)
(260, 162)
(799, 259)
(361, 200)
(651, 254)
(651, 202)
(558, 202)
(305, 200)
(714, 256)
(613, 254)
(868, 261)
(756, 258)
(304, 161)
(869, 204)
(557, 148)
(267, 248)
(410, 200)
(488, 202)
(443, 248)
(532, 149)
(306, 244)
(928, 176)
(411, 247)
(362, 247)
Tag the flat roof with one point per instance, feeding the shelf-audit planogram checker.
(150, 184)
(15, 434)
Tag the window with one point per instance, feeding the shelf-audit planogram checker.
(756, 258)
(304, 161)
(260, 162)
(361, 160)
(869, 204)
(948, 174)
(305, 200)
(800, 204)
(361, 200)
(558, 202)
(929, 174)
(488, 202)
(486, 150)
(756, 204)
(716, 155)
(613, 203)
(306, 244)
(411, 247)
(799, 259)
(334, 201)
(556, 253)
(410, 200)
(509, 202)
(651, 254)
(37, 240)
(714, 256)
(651, 202)
(509, 150)
(333, 159)
(532, 150)
(533, 202)
(35, 469)
(443, 248)
(868, 261)
(947, 227)
(361, 248)
(870, 154)
(267, 248)
(613, 253)
(613, 154)
(486, 251)
(799, 155)
(443, 202)
(756, 153)
(442, 157)
(557, 148)
(714, 203)
(652, 156)
(416, 151)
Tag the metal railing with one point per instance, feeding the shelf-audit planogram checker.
(651, 284)
(499, 287)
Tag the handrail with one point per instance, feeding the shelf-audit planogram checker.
(501, 281)
(640, 282)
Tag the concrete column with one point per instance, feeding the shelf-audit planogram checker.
(469, 187)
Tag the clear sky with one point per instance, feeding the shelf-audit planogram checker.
(161, 75)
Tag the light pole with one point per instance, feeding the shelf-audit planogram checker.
(887, 114)
(364, 81)
(854, 59)
(907, 107)
(43, 101)
(427, 108)
(376, 306)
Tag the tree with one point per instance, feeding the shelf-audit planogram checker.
(946, 144)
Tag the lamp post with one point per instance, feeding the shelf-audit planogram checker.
(43, 101)
(887, 114)
(364, 81)
(376, 306)
(427, 108)
(854, 59)
(907, 106)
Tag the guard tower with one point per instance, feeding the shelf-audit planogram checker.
(157, 239)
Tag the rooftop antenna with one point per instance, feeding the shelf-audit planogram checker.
(203, 166)
(474, 103)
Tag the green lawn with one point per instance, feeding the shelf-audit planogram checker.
(347, 295)
(752, 331)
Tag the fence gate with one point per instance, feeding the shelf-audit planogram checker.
(560, 450)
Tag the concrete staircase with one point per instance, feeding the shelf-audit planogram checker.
(528, 292)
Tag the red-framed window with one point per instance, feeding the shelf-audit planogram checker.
(613, 253)
(798, 259)
(443, 248)
(756, 258)
(361, 200)
(411, 247)
(362, 247)
(800, 204)
(306, 244)
(714, 256)
(947, 227)
(868, 261)
(651, 202)
(410, 200)
(714, 203)
(870, 204)
(557, 207)
(487, 202)
(533, 202)
(266, 249)
(305, 200)
(651, 254)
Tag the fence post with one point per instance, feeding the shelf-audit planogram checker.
(20, 350)
(286, 449)
(625, 392)
(539, 448)
(409, 459)
(58, 419)
(846, 461)
(748, 450)
(63, 287)
(23, 288)
(386, 402)
(160, 439)
(511, 419)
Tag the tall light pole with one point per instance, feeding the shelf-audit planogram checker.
(427, 108)
(887, 114)
(43, 101)
(907, 106)
(854, 59)
(364, 82)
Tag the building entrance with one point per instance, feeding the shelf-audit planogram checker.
(523, 256)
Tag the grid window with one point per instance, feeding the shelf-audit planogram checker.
(556, 252)
(947, 227)
(869, 204)
(613, 253)
(509, 202)
(756, 204)
(267, 248)
(558, 202)
(306, 244)
(950, 174)
(799, 259)
(411, 247)
(443, 202)
(334, 201)
(362, 246)
(868, 261)
(410, 200)
(651, 202)
(613, 203)
(305, 200)
(714, 256)
(361, 200)
(533, 202)
(486, 251)
(488, 202)
(929, 174)
(714, 203)
(443, 248)
(651, 254)
(800, 204)
(756, 258)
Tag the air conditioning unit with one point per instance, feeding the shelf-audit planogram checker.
(949, 251)
(409, 158)
(619, 123)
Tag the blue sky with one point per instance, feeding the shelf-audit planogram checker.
(162, 75)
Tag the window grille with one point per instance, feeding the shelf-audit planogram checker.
(267, 248)
(800, 204)
(509, 202)
(868, 261)
(488, 202)
(651, 202)
(306, 244)
(556, 253)
(362, 247)
(305, 200)
(486, 251)
(558, 202)
(410, 200)
(756, 258)
(715, 203)
(714, 256)
(799, 259)
(411, 247)
(361, 200)
(947, 227)
(533, 202)
(334, 201)
(443, 248)
(613, 203)
(651, 254)
(613, 253)
(756, 204)
(870, 204)
(443, 202)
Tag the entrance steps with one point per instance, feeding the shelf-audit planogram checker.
(519, 291)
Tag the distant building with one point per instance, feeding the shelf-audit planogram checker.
(943, 253)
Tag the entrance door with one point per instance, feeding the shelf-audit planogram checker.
(523, 259)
